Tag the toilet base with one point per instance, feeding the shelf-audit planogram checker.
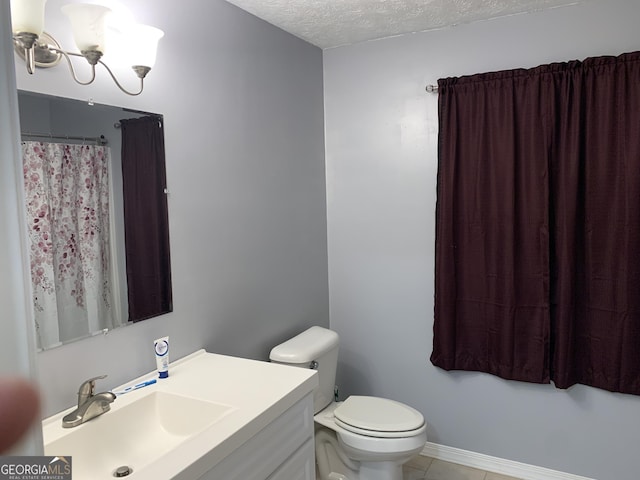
(335, 462)
(381, 470)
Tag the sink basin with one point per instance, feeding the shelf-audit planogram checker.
(136, 434)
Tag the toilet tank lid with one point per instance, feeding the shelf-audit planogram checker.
(306, 346)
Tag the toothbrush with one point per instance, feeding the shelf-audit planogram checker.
(136, 386)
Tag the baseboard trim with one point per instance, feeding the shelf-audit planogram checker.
(495, 464)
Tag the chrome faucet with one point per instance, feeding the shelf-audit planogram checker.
(90, 404)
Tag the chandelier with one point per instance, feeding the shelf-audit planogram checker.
(89, 26)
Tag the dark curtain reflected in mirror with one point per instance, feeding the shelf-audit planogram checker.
(146, 219)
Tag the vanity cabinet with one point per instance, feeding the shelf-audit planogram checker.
(282, 450)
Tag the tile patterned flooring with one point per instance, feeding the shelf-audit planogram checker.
(427, 468)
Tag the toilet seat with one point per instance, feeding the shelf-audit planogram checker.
(378, 417)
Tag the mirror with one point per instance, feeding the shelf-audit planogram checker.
(105, 166)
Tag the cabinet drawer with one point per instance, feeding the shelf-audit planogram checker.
(300, 466)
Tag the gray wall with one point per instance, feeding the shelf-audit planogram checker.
(381, 153)
(243, 111)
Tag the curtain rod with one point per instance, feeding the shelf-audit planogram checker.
(101, 140)
(432, 88)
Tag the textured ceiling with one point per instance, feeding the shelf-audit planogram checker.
(330, 23)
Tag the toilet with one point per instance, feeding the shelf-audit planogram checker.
(361, 438)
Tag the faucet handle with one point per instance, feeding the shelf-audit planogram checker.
(87, 389)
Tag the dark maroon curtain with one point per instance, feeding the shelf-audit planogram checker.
(538, 225)
(595, 206)
(146, 218)
(492, 232)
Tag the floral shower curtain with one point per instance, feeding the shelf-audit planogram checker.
(67, 196)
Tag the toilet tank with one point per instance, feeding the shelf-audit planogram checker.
(315, 348)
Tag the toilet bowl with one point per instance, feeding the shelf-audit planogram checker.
(363, 437)
(370, 446)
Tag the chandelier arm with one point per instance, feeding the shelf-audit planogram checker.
(30, 60)
(73, 72)
(133, 94)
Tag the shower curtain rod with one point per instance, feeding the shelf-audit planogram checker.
(101, 140)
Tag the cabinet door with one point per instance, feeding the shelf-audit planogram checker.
(270, 448)
(300, 466)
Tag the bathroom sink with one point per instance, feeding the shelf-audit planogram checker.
(185, 427)
(135, 434)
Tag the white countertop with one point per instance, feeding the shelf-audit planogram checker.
(257, 391)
